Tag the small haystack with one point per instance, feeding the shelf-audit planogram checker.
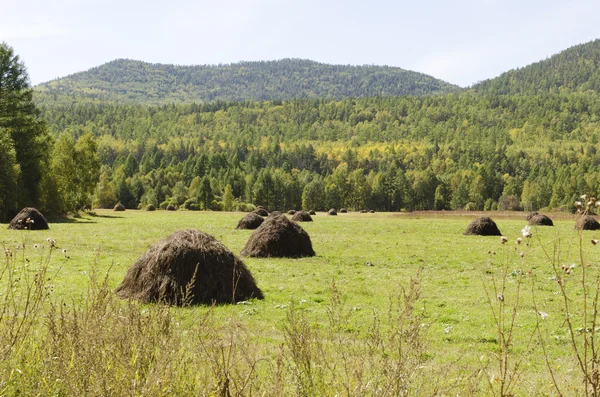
(363, 211)
(291, 212)
(150, 207)
(343, 211)
(483, 226)
(261, 211)
(302, 216)
(119, 207)
(279, 237)
(251, 221)
(536, 219)
(167, 269)
(312, 212)
(171, 207)
(587, 222)
(332, 211)
(29, 219)
(371, 211)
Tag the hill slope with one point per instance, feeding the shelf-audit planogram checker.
(574, 69)
(131, 81)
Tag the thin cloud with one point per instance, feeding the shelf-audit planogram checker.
(30, 30)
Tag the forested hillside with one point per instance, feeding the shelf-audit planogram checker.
(575, 69)
(441, 152)
(128, 81)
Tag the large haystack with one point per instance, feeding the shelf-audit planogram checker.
(119, 207)
(536, 219)
(261, 211)
(167, 269)
(302, 216)
(483, 226)
(29, 219)
(587, 222)
(279, 237)
(251, 221)
(332, 211)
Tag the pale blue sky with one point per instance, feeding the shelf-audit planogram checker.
(460, 41)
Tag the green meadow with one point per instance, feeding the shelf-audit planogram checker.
(392, 304)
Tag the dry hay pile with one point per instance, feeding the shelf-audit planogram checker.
(536, 219)
(343, 211)
(251, 221)
(291, 212)
(312, 212)
(29, 219)
(279, 237)
(275, 213)
(171, 207)
(587, 222)
(363, 211)
(302, 216)
(150, 207)
(332, 212)
(483, 226)
(193, 261)
(261, 211)
(119, 207)
(371, 211)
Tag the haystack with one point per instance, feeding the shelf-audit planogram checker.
(312, 212)
(302, 216)
(251, 221)
(119, 207)
(171, 207)
(587, 222)
(275, 213)
(332, 211)
(193, 260)
(150, 207)
(371, 211)
(261, 211)
(483, 226)
(343, 211)
(291, 212)
(29, 218)
(279, 237)
(539, 219)
(363, 211)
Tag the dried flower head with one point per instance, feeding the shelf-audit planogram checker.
(594, 242)
(578, 204)
(521, 254)
(503, 239)
(519, 240)
(543, 315)
(525, 232)
(501, 298)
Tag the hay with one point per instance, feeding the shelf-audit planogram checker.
(250, 221)
(291, 212)
(332, 212)
(119, 207)
(150, 207)
(371, 211)
(536, 219)
(29, 219)
(483, 226)
(587, 222)
(343, 211)
(168, 267)
(363, 211)
(302, 216)
(275, 213)
(312, 212)
(279, 237)
(261, 211)
(171, 207)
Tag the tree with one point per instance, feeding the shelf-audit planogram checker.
(9, 173)
(228, 198)
(29, 136)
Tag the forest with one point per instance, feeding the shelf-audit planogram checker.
(497, 145)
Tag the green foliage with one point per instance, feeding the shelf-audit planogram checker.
(128, 81)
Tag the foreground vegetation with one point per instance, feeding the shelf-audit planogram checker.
(393, 304)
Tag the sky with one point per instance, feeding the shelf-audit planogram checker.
(459, 41)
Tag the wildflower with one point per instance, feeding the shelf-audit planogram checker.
(543, 315)
(36, 246)
(503, 239)
(64, 251)
(519, 240)
(521, 254)
(577, 204)
(583, 197)
(594, 242)
(525, 232)
(501, 298)
(597, 203)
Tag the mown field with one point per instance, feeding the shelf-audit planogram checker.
(333, 324)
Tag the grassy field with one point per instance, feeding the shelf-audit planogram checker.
(327, 323)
